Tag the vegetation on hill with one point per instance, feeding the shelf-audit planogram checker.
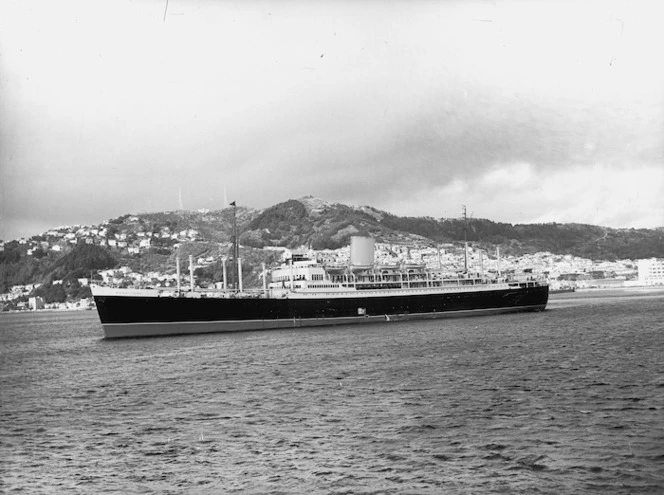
(80, 262)
(17, 268)
(291, 224)
(70, 290)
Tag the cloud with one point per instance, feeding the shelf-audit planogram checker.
(412, 110)
(522, 193)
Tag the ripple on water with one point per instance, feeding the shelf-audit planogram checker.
(568, 400)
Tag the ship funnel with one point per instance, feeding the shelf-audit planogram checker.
(361, 251)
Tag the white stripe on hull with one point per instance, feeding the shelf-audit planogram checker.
(124, 330)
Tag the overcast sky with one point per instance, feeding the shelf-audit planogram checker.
(523, 111)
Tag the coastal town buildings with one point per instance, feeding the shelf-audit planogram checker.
(651, 271)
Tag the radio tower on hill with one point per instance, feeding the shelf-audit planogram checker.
(180, 205)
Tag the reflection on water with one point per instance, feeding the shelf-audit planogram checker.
(566, 400)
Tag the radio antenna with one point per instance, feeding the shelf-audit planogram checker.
(465, 239)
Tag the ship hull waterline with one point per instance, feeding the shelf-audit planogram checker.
(128, 317)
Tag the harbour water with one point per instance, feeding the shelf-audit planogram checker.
(569, 400)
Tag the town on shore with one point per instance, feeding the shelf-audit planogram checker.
(564, 272)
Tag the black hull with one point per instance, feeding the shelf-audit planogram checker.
(135, 316)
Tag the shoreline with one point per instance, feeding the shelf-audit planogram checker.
(46, 310)
(643, 289)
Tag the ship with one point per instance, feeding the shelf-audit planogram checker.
(306, 292)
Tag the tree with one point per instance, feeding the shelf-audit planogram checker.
(39, 253)
(52, 293)
(83, 259)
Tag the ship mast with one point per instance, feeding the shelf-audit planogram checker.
(235, 245)
(498, 256)
(465, 239)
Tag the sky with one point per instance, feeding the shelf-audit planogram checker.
(525, 112)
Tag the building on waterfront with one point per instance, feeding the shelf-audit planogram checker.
(36, 303)
(651, 271)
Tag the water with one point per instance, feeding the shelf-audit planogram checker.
(565, 401)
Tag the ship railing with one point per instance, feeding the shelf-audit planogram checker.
(423, 283)
(528, 283)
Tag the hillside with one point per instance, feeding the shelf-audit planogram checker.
(148, 242)
(330, 225)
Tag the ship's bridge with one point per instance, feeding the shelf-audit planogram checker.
(300, 272)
